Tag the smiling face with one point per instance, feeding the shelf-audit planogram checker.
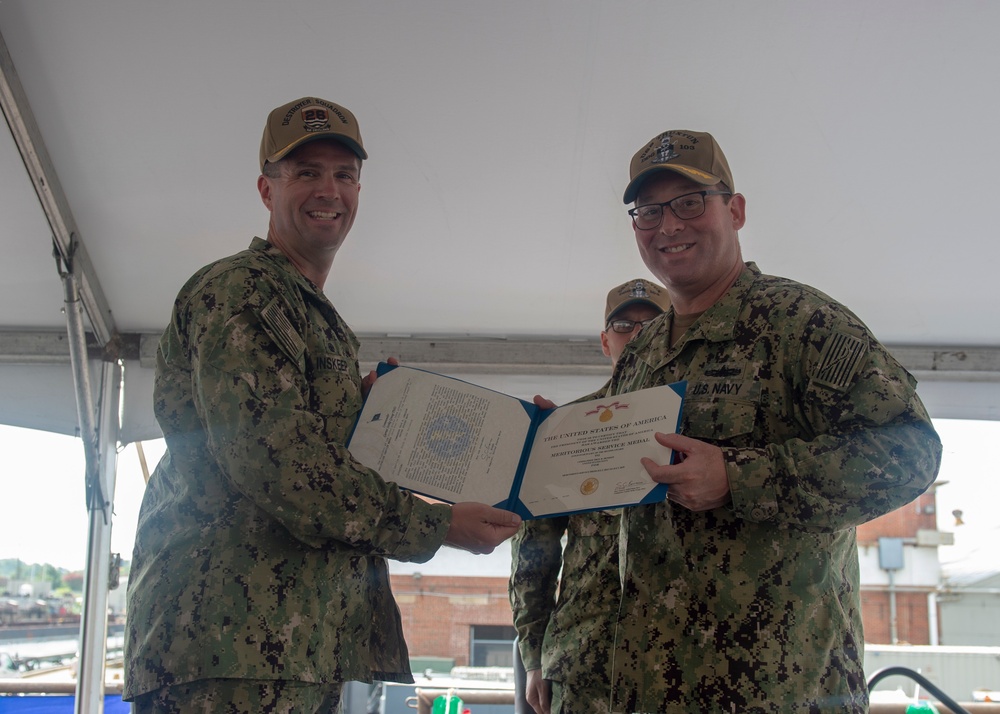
(312, 195)
(697, 259)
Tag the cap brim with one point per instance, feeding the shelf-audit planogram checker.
(696, 175)
(345, 140)
(630, 303)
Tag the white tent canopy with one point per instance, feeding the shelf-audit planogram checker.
(491, 223)
(861, 133)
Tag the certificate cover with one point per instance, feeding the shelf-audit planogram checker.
(454, 441)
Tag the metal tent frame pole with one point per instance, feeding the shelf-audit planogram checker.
(83, 294)
(100, 450)
(102, 564)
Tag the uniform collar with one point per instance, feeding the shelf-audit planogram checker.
(274, 253)
(716, 324)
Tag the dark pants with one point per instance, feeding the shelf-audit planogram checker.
(241, 696)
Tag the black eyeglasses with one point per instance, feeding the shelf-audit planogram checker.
(626, 326)
(686, 207)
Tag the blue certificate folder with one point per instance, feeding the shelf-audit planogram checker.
(453, 441)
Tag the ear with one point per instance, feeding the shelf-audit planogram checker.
(264, 189)
(738, 210)
(605, 347)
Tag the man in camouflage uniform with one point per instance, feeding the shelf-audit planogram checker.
(741, 592)
(565, 638)
(258, 580)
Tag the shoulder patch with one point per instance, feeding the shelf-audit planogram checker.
(280, 329)
(842, 355)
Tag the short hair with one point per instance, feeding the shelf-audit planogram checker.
(272, 169)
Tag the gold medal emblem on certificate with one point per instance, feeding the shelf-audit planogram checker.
(588, 486)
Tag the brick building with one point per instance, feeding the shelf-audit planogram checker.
(466, 619)
(455, 607)
(900, 574)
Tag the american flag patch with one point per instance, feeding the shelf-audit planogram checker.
(841, 357)
(280, 329)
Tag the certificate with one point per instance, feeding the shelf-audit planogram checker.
(455, 441)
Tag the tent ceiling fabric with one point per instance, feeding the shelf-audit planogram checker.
(500, 134)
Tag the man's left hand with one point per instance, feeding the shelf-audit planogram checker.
(698, 480)
(369, 379)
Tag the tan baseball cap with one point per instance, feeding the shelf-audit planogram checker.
(308, 119)
(636, 291)
(693, 154)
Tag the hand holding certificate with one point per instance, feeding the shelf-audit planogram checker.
(455, 441)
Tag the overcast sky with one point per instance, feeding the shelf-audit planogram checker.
(43, 517)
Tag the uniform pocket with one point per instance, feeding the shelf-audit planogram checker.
(718, 418)
(335, 390)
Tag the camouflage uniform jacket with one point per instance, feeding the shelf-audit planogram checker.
(568, 635)
(260, 543)
(755, 606)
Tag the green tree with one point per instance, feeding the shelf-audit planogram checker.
(74, 581)
(51, 574)
(17, 569)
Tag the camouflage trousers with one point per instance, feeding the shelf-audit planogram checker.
(578, 700)
(241, 696)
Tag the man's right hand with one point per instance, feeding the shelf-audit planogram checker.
(537, 692)
(479, 528)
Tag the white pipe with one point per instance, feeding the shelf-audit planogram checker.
(893, 630)
(932, 618)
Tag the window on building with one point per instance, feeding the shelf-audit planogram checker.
(492, 646)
